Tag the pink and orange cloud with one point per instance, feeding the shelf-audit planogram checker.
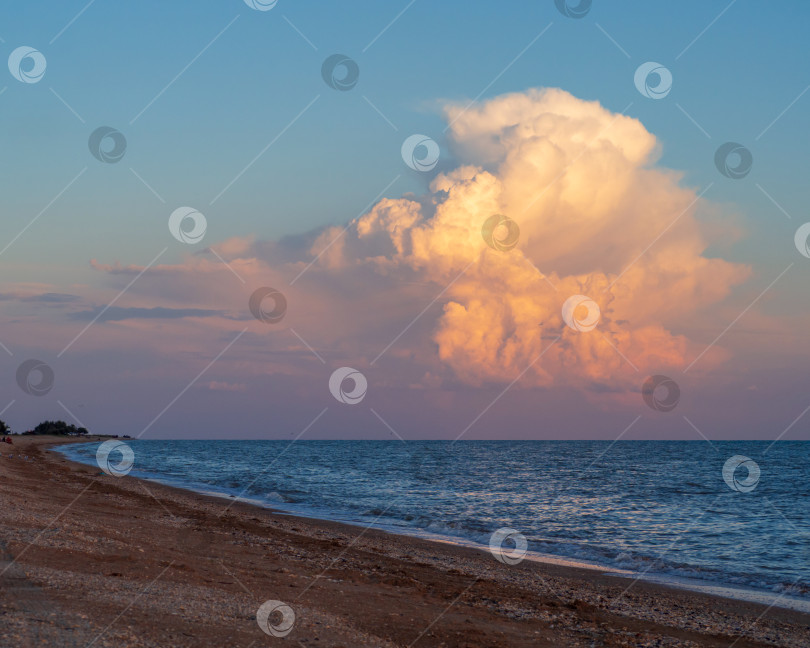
(596, 216)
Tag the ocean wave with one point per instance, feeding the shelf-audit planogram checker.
(672, 516)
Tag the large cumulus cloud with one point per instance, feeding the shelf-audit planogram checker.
(597, 217)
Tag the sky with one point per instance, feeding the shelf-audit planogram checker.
(480, 222)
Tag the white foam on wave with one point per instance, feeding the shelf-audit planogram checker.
(623, 566)
(770, 599)
(738, 593)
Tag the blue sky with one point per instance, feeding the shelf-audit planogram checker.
(259, 74)
(200, 89)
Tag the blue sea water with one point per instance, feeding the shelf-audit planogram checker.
(660, 509)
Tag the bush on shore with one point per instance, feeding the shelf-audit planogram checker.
(58, 428)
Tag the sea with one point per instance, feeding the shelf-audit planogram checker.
(661, 511)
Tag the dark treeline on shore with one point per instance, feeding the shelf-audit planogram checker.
(59, 428)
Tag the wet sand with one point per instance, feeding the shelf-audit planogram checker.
(94, 560)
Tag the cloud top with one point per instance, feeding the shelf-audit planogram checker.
(596, 217)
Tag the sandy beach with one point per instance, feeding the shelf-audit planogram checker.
(94, 560)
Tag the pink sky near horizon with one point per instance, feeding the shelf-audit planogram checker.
(453, 336)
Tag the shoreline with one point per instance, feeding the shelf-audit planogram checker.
(729, 590)
(125, 561)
